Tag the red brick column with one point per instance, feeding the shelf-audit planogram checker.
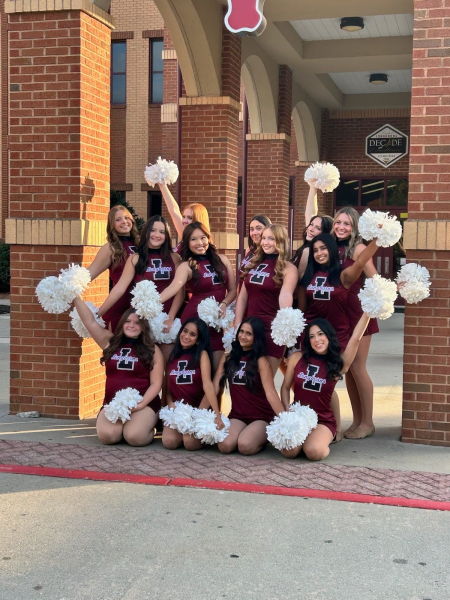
(268, 161)
(426, 379)
(59, 197)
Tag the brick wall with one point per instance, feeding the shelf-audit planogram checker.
(118, 146)
(4, 86)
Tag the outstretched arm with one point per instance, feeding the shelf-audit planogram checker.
(101, 262)
(121, 286)
(311, 208)
(289, 284)
(172, 207)
(100, 335)
(266, 374)
(351, 274)
(182, 275)
(349, 353)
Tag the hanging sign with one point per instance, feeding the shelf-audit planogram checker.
(386, 145)
(245, 17)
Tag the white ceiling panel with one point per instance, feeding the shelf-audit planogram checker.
(375, 26)
(358, 83)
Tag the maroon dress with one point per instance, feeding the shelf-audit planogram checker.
(312, 388)
(245, 262)
(125, 369)
(161, 271)
(354, 309)
(246, 405)
(208, 285)
(185, 382)
(177, 248)
(263, 299)
(325, 301)
(114, 314)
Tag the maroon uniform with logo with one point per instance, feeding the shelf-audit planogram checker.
(207, 286)
(312, 388)
(325, 301)
(177, 248)
(185, 382)
(246, 405)
(161, 271)
(263, 299)
(125, 369)
(114, 314)
(245, 262)
(354, 310)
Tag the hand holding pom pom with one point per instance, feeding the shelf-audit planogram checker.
(385, 228)
(121, 405)
(180, 417)
(162, 172)
(146, 300)
(413, 283)
(161, 336)
(206, 429)
(287, 431)
(78, 324)
(378, 297)
(228, 338)
(287, 326)
(325, 176)
(306, 413)
(75, 280)
(52, 296)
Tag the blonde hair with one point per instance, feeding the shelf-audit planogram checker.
(282, 247)
(355, 238)
(199, 214)
(118, 253)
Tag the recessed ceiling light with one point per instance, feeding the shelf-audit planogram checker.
(352, 24)
(378, 78)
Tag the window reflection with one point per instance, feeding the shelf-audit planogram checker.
(347, 193)
(118, 72)
(372, 192)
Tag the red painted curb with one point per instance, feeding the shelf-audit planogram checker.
(227, 486)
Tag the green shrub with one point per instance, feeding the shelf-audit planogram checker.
(4, 268)
(119, 198)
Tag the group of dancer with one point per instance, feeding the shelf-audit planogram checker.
(323, 279)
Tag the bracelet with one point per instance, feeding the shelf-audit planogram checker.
(223, 302)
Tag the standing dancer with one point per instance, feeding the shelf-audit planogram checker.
(255, 229)
(189, 379)
(269, 284)
(314, 374)
(205, 273)
(357, 379)
(131, 360)
(254, 400)
(123, 239)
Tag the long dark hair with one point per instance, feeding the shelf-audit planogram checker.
(261, 219)
(142, 249)
(232, 363)
(203, 343)
(327, 227)
(334, 268)
(144, 345)
(211, 253)
(332, 358)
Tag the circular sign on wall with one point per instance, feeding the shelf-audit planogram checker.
(386, 145)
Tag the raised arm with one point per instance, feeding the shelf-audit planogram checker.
(289, 284)
(156, 380)
(266, 374)
(311, 207)
(349, 353)
(121, 286)
(288, 380)
(369, 268)
(241, 305)
(351, 274)
(173, 208)
(100, 335)
(182, 275)
(101, 262)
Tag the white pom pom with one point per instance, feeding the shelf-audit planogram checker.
(52, 296)
(326, 176)
(287, 431)
(377, 297)
(388, 235)
(166, 414)
(206, 430)
(75, 280)
(414, 283)
(121, 405)
(228, 338)
(306, 413)
(146, 300)
(182, 417)
(287, 326)
(78, 324)
(162, 172)
(227, 321)
(208, 311)
(162, 337)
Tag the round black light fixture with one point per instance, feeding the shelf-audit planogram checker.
(352, 24)
(378, 78)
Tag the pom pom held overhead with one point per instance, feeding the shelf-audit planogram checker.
(325, 175)
(163, 171)
(387, 235)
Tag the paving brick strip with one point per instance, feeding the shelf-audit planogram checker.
(158, 462)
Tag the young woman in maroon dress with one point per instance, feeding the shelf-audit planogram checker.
(189, 378)
(269, 284)
(313, 374)
(255, 229)
(131, 360)
(153, 261)
(123, 239)
(357, 379)
(254, 400)
(205, 273)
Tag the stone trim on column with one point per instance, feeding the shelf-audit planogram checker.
(169, 112)
(213, 100)
(258, 137)
(426, 235)
(33, 6)
(59, 232)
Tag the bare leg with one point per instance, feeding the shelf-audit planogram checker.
(274, 363)
(355, 401)
(230, 443)
(192, 443)
(108, 433)
(335, 407)
(365, 389)
(292, 453)
(139, 430)
(316, 446)
(171, 438)
(253, 438)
